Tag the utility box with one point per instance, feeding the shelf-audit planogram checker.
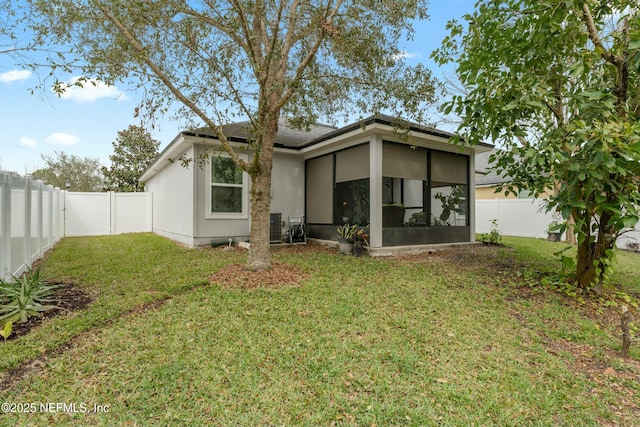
(275, 228)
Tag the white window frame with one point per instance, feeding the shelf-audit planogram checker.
(245, 192)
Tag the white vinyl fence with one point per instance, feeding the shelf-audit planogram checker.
(35, 216)
(527, 218)
(31, 221)
(102, 214)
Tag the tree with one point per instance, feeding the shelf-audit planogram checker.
(82, 174)
(222, 59)
(557, 83)
(133, 151)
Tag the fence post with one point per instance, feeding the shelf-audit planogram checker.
(50, 216)
(5, 226)
(26, 253)
(40, 220)
(112, 213)
(150, 211)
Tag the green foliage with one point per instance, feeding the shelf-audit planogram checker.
(567, 263)
(347, 232)
(557, 224)
(258, 61)
(83, 174)
(557, 84)
(6, 330)
(493, 237)
(25, 296)
(450, 203)
(418, 219)
(133, 151)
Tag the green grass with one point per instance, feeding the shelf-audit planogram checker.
(360, 342)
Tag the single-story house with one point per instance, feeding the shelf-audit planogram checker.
(488, 181)
(414, 189)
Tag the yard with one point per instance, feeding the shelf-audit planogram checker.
(458, 337)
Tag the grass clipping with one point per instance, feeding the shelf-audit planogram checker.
(239, 276)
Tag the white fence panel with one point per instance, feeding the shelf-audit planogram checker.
(131, 212)
(30, 214)
(87, 214)
(528, 218)
(102, 214)
(516, 217)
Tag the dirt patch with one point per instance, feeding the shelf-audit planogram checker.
(601, 372)
(67, 298)
(279, 275)
(491, 260)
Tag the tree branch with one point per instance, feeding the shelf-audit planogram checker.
(595, 38)
(330, 14)
(135, 44)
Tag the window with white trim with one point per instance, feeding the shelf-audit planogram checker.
(227, 196)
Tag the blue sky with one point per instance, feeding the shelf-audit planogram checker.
(85, 122)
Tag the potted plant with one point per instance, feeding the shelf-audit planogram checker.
(360, 241)
(346, 235)
(555, 228)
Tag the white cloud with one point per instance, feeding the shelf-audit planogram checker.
(27, 142)
(91, 91)
(14, 76)
(403, 55)
(61, 138)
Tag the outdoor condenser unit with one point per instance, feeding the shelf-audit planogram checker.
(275, 233)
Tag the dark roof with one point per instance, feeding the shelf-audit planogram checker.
(298, 139)
(490, 177)
(286, 138)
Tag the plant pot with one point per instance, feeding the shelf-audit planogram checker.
(346, 247)
(358, 251)
(553, 237)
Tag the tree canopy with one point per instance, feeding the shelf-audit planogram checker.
(557, 84)
(82, 173)
(256, 59)
(133, 151)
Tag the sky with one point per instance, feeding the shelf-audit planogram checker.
(85, 122)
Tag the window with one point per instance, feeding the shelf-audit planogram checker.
(351, 203)
(449, 205)
(449, 189)
(227, 196)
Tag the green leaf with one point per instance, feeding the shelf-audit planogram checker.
(630, 221)
(6, 330)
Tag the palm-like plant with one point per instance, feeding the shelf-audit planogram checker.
(25, 296)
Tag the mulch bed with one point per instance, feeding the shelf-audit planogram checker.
(67, 298)
(279, 275)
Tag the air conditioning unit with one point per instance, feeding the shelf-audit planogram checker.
(275, 233)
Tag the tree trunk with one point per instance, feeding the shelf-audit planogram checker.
(571, 233)
(590, 272)
(585, 270)
(259, 251)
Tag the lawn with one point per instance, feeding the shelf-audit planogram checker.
(459, 337)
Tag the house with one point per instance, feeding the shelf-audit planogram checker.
(488, 181)
(411, 189)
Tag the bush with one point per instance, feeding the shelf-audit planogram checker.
(493, 237)
(21, 298)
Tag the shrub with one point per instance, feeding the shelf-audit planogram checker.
(493, 237)
(25, 296)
